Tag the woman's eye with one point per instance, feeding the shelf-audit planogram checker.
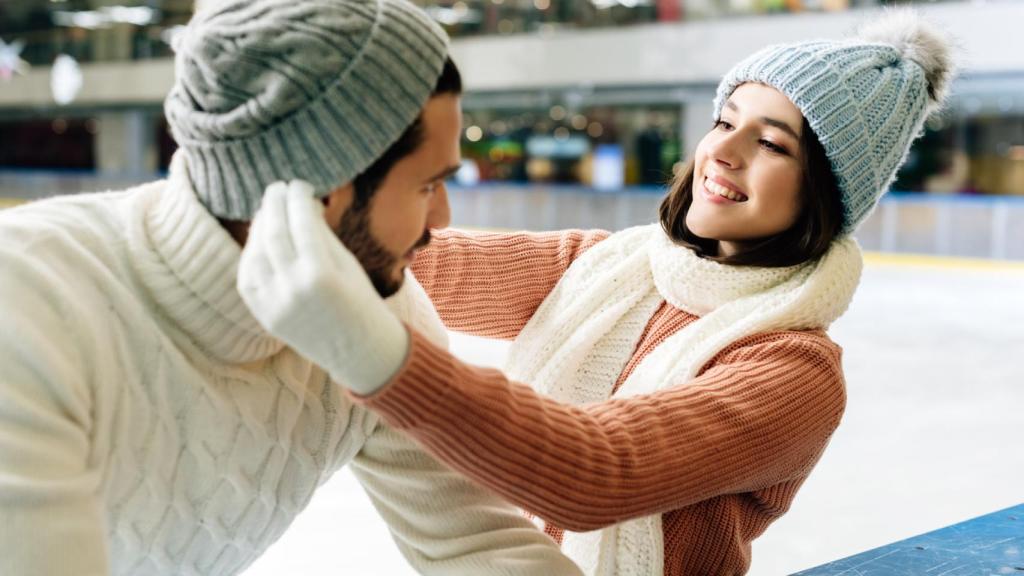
(773, 147)
(723, 124)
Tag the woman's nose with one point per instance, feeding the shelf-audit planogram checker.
(725, 152)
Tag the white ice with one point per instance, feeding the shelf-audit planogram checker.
(934, 359)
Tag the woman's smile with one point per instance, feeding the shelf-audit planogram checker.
(719, 190)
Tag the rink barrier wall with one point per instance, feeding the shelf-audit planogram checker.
(948, 225)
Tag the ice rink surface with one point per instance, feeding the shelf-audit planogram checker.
(933, 432)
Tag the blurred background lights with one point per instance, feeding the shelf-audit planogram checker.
(65, 79)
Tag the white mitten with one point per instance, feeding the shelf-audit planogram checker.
(305, 287)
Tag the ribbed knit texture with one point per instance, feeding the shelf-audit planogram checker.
(148, 426)
(720, 458)
(866, 99)
(577, 343)
(269, 90)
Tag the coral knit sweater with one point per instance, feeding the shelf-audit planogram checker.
(720, 457)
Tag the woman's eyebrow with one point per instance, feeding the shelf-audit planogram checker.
(766, 120)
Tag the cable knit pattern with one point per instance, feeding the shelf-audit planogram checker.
(149, 426)
(720, 458)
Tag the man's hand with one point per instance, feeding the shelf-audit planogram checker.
(306, 288)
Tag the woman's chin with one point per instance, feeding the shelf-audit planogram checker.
(704, 230)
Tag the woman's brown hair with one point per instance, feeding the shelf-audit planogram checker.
(820, 219)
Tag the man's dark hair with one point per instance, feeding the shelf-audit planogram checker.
(366, 183)
(819, 221)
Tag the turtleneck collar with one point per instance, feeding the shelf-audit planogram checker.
(190, 265)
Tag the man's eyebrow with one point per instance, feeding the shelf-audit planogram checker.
(769, 121)
(443, 174)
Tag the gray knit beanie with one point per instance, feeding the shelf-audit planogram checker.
(866, 98)
(269, 90)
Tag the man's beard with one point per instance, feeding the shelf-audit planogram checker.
(379, 264)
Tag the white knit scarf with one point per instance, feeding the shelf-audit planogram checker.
(580, 339)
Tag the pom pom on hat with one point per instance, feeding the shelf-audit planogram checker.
(916, 40)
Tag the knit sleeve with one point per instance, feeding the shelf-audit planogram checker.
(760, 414)
(490, 284)
(468, 531)
(52, 520)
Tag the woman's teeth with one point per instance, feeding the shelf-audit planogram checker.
(715, 188)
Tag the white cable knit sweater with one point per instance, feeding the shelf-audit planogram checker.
(148, 425)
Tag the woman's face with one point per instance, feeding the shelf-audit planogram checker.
(748, 170)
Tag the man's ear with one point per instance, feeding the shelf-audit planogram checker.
(336, 203)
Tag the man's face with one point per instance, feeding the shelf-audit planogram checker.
(385, 234)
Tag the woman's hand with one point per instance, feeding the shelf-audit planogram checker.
(307, 289)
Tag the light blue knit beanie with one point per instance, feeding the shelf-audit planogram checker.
(865, 98)
(269, 90)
